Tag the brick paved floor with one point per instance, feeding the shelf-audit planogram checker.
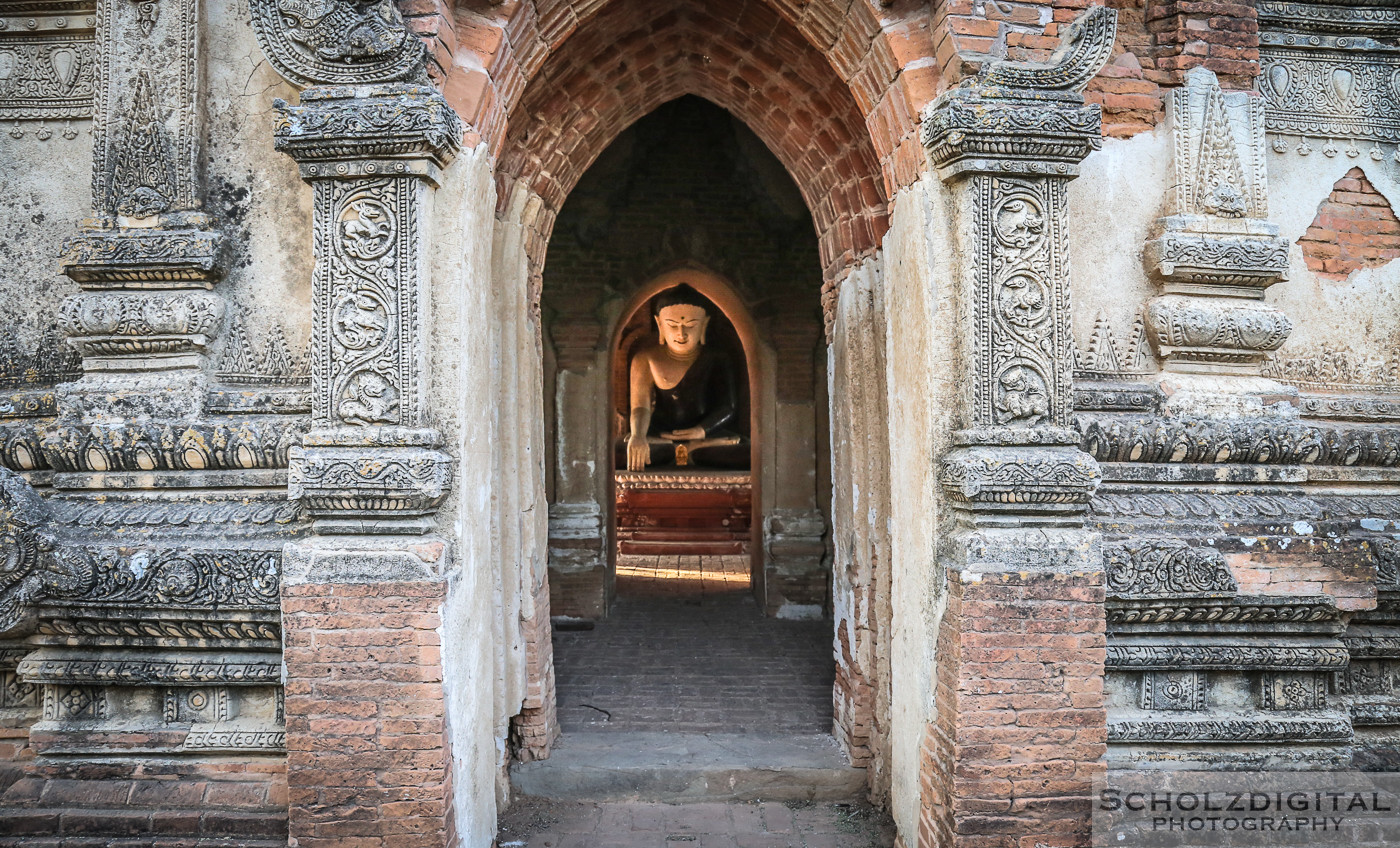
(534, 823)
(690, 652)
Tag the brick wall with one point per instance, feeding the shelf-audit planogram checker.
(1355, 228)
(1020, 729)
(369, 762)
(535, 728)
(1288, 565)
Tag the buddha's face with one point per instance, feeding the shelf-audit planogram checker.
(682, 328)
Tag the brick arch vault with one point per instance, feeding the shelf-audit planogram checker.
(831, 90)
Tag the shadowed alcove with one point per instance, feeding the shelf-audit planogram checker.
(688, 195)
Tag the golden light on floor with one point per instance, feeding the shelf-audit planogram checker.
(681, 574)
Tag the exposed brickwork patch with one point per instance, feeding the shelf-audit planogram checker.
(1355, 228)
(1345, 569)
(368, 759)
(1021, 726)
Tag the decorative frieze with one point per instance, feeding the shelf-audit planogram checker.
(1007, 145)
(48, 68)
(1288, 691)
(1330, 87)
(1208, 440)
(1174, 690)
(1238, 610)
(1215, 655)
(202, 445)
(1231, 730)
(1216, 252)
(1166, 568)
(133, 668)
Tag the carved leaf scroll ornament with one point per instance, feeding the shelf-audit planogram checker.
(330, 42)
(1084, 48)
(31, 564)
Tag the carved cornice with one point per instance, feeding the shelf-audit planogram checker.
(368, 484)
(1345, 17)
(152, 629)
(238, 443)
(347, 133)
(1152, 568)
(49, 665)
(1196, 261)
(1019, 479)
(964, 133)
(324, 42)
(1096, 396)
(1242, 729)
(1272, 441)
(1233, 610)
(155, 257)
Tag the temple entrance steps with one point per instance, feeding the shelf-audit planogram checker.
(691, 767)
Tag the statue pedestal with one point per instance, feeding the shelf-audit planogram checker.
(686, 511)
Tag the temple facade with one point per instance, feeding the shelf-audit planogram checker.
(1066, 336)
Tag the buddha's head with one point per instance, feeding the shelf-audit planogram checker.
(681, 316)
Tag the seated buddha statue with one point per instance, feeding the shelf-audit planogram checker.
(683, 395)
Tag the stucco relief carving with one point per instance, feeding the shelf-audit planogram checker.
(1205, 440)
(48, 72)
(1084, 47)
(1330, 87)
(1231, 730)
(1216, 252)
(335, 42)
(1166, 568)
(372, 460)
(31, 562)
(264, 359)
(247, 443)
(141, 324)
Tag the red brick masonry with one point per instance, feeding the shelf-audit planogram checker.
(1021, 727)
(368, 758)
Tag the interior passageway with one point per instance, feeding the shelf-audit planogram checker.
(687, 650)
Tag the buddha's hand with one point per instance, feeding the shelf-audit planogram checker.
(638, 453)
(685, 435)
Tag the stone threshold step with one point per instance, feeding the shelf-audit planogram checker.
(680, 767)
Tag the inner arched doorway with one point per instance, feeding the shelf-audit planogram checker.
(689, 195)
(690, 511)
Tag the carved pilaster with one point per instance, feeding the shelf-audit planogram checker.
(1216, 253)
(149, 244)
(1007, 145)
(372, 154)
